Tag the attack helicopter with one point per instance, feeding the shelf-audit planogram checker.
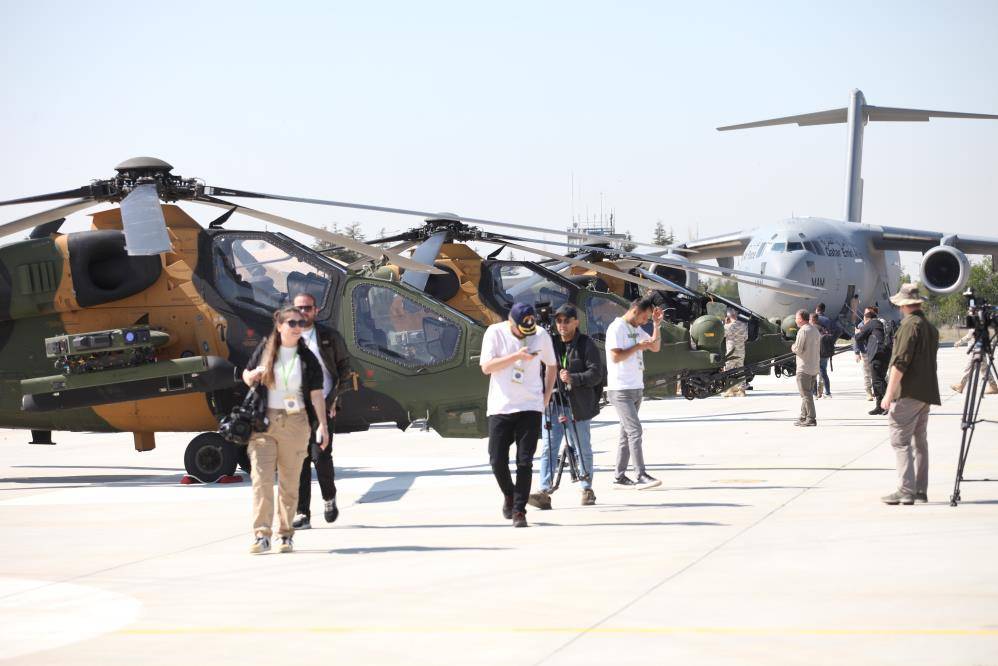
(485, 288)
(142, 323)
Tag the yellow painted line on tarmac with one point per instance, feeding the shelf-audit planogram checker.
(735, 631)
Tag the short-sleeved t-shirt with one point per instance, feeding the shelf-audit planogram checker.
(629, 373)
(519, 387)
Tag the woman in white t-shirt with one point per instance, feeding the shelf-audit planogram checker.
(290, 378)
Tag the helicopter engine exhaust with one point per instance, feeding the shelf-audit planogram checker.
(688, 279)
(945, 270)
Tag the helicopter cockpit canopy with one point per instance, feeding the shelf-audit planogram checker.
(257, 272)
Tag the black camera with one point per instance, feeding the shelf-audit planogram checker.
(246, 418)
(544, 315)
(980, 314)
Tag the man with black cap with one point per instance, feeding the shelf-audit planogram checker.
(913, 387)
(512, 356)
(580, 381)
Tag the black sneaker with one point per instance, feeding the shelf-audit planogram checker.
(622, 482)
(542, 500)
(877, 411)
(331, 513)
(921, 498)
(519, 519)
(507, 507)
(646, 481)
(302, 522)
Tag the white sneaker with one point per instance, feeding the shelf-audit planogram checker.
(261, 545)
(646, 481)
(287, 545)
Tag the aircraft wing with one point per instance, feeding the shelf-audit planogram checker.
(715, 247)
(917, 240)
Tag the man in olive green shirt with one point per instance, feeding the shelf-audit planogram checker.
(914, 385)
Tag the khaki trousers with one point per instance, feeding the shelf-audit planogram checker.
(909, 420)
(805, 385)
(867, 376)
(283, 447)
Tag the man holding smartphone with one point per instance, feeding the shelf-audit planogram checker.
(626, 343)
(512, 355)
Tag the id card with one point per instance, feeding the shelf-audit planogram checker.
(291, 404)
(517, 374)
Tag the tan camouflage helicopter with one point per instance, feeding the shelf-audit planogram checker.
(140, 324)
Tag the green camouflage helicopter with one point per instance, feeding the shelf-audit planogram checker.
(142, 323)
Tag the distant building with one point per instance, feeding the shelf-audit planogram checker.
(599, 225)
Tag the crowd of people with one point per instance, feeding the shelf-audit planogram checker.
(300, 367)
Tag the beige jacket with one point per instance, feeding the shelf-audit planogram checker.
(808, 350)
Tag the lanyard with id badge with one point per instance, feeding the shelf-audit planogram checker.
(518, 369)
(292, 403)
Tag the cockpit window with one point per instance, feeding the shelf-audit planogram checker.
(600, 313)
(794, 247)
(779, 247)
(257, 272)
(517, 283)
(395, 327)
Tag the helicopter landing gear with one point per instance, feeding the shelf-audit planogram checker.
(209, 457)
(698, 387)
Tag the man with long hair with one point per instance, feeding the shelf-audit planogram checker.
(290, 381)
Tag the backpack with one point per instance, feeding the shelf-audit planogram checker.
(827, 346)
(890, 330)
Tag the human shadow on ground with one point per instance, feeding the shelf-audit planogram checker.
(505, 525)
(361, 550)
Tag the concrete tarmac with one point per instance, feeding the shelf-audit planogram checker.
(765, 544)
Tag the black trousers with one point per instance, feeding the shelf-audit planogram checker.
(878, 377)
(524, 428)
(324, 471)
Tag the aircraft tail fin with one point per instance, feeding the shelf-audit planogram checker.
(856, 115)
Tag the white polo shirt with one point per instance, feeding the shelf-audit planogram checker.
(519, 387)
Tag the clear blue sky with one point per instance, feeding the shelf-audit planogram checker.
(488, 110)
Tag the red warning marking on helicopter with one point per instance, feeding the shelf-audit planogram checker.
(369, 374)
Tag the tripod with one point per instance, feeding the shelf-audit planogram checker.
(982, 368)
(559, 410)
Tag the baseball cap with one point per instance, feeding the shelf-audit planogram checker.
(567, 310)
(524, 317)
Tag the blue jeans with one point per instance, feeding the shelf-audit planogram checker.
(823, 377)
(552, 444)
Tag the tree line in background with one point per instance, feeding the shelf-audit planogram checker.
(353, 231)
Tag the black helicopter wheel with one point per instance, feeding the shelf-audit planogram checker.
(789, 370)
(688, 390)
(209, 457)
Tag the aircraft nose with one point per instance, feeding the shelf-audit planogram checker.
(792, 266)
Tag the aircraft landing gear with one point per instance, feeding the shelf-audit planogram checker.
(209, 457)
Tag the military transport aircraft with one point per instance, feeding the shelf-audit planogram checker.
(853, 261)
(139, 324)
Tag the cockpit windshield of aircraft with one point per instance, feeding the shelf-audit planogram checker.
(517, 283)
(255, 271)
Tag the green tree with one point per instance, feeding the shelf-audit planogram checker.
(724, 288)
(627, 246)
(353, 231)
(661, 236)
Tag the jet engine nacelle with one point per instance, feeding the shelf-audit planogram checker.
(945, 270)
(688, 279)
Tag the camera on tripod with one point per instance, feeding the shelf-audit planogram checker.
(980, 314)
(544, 315)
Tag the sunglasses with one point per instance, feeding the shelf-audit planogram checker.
(295, 323)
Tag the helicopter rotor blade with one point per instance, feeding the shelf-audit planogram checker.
(669, 284)
(360, 263)
(46, 216)
(729, 273)
(425, 253)
(85, 192)
(231, 192)
(339, 239)
(641, 282)
(143, 222)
